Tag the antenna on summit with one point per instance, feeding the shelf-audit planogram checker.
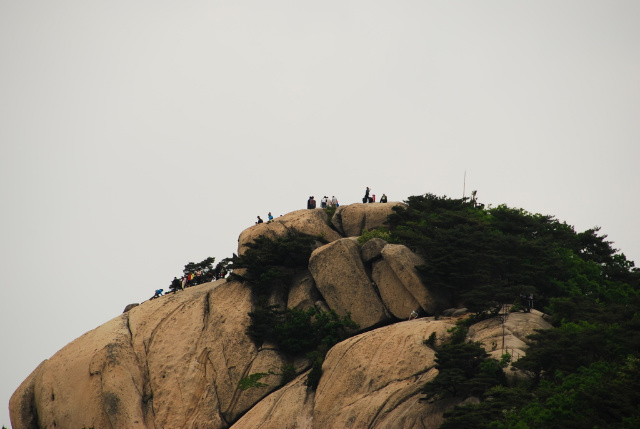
(464, 184)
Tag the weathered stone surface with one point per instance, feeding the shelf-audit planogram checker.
(289, 407)
(322, 306)
(351, 220)
(23, 402)
(459, 312)
(394, 294)
(372, 248)
(402, 261)
(372, 380)
(342, 280)
(310, 222)
(175, 362)
(517, 327)
(303, 293)
(171, 362)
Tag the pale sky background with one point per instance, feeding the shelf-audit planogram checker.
(137, 136)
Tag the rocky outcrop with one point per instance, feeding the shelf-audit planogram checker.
(394, 294)
(172, 362)
(351, 220)
(372, 380)
(303, 293)
(344, 283)
(401, 263)
(176, 361)
(368, 378)
(309, 222)
(372, 249)
(508, 337)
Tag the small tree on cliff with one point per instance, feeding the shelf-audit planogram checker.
(270, 262)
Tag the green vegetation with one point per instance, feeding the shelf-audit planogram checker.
(201, 272)
(585, 373)
(490, 257)
(382, 233)
(269, 263)
(330, 211)
(464, 368)
(269, 266)
(298, 331)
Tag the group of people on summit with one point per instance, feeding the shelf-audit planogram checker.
(269, 216)
(372, 198)
(324, 202)
(192, 279)
(327, 202)
(333, 201)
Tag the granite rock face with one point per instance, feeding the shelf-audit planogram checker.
(372, 380)
(351, 220)
(309, 222)
(177, 361)
(172, 362)
(342, 280)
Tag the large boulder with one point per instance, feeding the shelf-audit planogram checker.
(372, 380)
(172, 362)
(309, 222)
(398, 272)
(303, 293)
(351, 220)
(371, 250)
(341, 278)
(394, 294)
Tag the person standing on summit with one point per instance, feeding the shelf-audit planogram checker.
(366, 195)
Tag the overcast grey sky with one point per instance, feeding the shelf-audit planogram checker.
(136, 136)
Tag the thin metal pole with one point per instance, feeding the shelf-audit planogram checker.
(464, 185)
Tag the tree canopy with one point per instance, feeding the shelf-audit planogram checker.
(487, 257)
(585, 373)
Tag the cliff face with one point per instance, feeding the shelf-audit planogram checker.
(176, 361)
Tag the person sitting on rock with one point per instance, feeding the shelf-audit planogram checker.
(383, 198)
(157, 294)
(413, 315)
(259, 220)
(270, 217)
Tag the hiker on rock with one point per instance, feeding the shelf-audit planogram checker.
(366, 195)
